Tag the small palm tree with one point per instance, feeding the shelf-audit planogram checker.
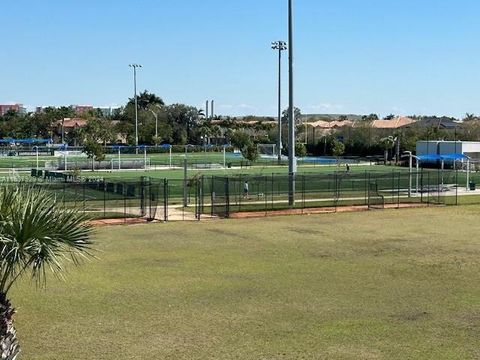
(387, 143)
(36, 234)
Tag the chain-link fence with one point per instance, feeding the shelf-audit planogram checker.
(248, 193)
(142, 197)
(222, 196)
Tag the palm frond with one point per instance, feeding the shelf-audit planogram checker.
(37, 233)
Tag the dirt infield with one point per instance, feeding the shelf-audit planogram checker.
(189, 216)
(111, 222)
(323, 210)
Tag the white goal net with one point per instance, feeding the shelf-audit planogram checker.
(267, 150)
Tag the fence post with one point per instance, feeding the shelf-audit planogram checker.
(393, 187)
(104, 199)
(398, 190)
(227, 197)
(368, 191)
(456, 186)
(303, 192)
(265, 186)
(421, 186)
(212, 198)
(185, 202)
(143, 193)
(165, 199)
(240, 191)
(124, 205)
(203, 193)
(365, 184)
(84, 199)
(272, 190)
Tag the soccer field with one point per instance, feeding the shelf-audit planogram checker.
(258, 169)
(374, 285)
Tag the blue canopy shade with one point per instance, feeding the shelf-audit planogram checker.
(117, 147)
(25, 141)
(436, 157)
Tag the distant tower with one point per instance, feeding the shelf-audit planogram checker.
(212, 112)
(206, 110)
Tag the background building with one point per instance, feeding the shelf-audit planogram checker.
(468, 148)
(14, 107)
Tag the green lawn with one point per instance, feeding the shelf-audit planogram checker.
(373, 285)
(257, 169)
(158, 160)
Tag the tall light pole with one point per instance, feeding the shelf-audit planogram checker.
(135, 66)
(280, 46)
(292, 164)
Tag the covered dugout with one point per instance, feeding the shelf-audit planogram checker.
(441, 159)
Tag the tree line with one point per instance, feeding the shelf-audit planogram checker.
(181, 124)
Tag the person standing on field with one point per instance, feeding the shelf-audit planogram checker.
(245, 189)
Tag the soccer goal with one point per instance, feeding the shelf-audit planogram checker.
(267, 150)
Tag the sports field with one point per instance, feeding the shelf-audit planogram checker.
(374, 285)
(257, 169)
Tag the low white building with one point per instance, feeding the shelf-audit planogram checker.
(468, 148)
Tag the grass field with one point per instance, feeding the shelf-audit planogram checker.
(178, 173)
(374, 285)
(162, 159)
(159, 160)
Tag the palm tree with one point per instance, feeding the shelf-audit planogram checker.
(469, 117)
(36, 234)
(387, 143)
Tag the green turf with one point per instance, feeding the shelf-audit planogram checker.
(258, 169)
(156, 160)
(374, 285)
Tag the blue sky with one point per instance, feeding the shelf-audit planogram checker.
(351, 56)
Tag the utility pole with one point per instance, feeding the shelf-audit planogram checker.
(135, 66)
(292, 163)
(280, 46)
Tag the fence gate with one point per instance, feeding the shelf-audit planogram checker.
(375, 199)
(432, 186)
(220, 197)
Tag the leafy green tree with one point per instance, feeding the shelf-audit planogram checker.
(250, 152)
(470, 131)
(370, 117)
(36, 234)
(146, 99)
(184, 120)
(300, 150)
(98, 130)
(94, 151)
(338, 149)
(240, 139)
